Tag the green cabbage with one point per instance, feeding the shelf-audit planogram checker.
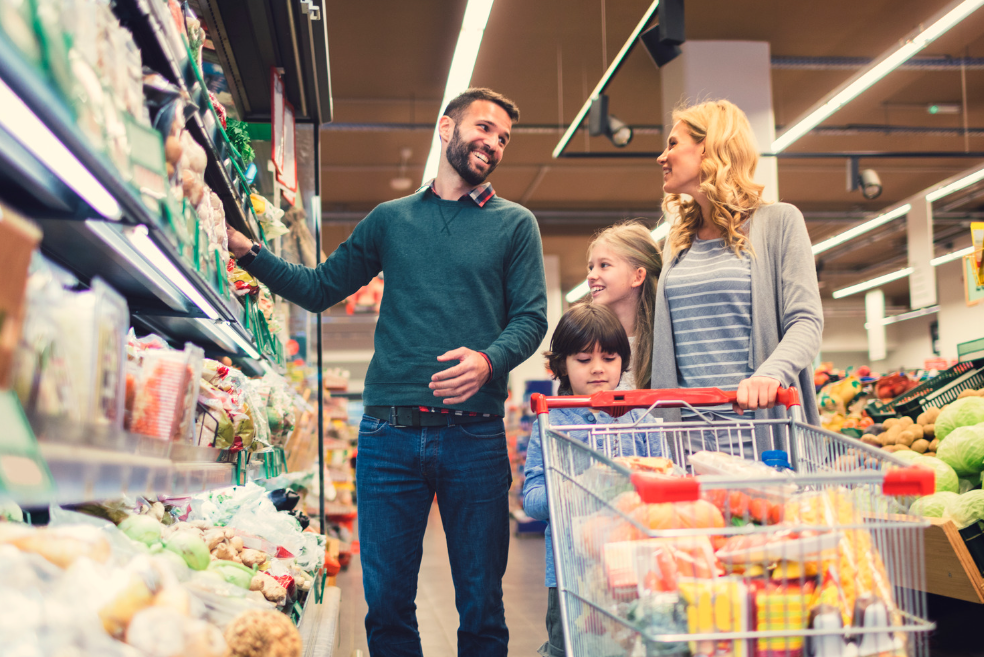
(143, 529)
(232, 572)
(189, 547)
(932, 505)
(946, 478)
(964, 412)
(966, 509)
(963, 450)
(906, 455)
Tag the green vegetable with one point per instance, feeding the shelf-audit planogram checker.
(190, 548)
(966, 509)
(963, 450)
(933, 505)
(232, 572)
(143, 529)
(906, 455)
(239, 137)
(964, 412)
(946, 478)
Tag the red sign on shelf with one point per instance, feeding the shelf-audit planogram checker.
(282, 136)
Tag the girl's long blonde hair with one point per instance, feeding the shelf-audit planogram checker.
(726, 175)
(632, 241)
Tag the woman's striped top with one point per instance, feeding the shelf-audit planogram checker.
(710, 298)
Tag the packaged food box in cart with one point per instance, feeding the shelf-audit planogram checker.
(745, 561)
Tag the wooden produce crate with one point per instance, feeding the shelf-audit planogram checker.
(950, 570)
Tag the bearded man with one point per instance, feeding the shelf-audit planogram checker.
(464, 285)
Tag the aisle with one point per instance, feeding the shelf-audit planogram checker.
(524, 594)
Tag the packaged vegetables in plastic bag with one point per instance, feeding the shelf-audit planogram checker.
(71, 357)
(166, 391)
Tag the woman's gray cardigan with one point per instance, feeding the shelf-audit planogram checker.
(787, 318)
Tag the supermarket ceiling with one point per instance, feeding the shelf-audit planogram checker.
(389, 64)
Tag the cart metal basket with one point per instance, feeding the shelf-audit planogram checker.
(713, 552)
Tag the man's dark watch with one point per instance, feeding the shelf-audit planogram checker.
(249, 256)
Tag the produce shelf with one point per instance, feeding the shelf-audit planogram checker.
(252, 36)
(91, 463)
(145, 20)
(935, 393)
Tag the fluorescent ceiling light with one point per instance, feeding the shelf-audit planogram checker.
(141, 241)
(874, 282)
(888, 62)
(23, 125)
(860, 229)
(109, 234)
(462, 65)
(956, 255)
(658, 233)
(922, 312)
(946, 190)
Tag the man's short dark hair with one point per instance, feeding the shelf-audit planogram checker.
(463, 101)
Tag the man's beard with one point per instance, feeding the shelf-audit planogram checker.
(458, 155)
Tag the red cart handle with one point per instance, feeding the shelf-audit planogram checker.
(668, 398)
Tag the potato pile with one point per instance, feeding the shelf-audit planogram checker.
(971, 393)
(899, 434)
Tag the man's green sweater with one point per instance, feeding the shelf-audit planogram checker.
(457, 275)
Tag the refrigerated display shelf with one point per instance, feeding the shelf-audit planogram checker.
(92, 463)
(145, 21)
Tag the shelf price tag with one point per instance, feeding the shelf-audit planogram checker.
(23, 471)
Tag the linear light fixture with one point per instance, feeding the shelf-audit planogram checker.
(216, 331)
(860, 229)
(462, 65)
(23, 125)
(949, 257)
(921, 37)
(658, 233)
(955, 186)
(238, 339)
(112, 238)
(600, 87)
(141, 241)
(901, 317)
(873, 283)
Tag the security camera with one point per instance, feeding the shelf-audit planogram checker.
(870, 184)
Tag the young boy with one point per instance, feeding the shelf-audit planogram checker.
(589, 352)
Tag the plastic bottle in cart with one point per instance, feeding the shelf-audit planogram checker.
(776, 458)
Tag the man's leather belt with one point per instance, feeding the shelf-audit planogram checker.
(412, 416)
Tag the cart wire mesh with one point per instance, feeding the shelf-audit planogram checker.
(741, 559)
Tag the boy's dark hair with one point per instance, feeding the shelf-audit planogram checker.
(463, 101)
(578, 331)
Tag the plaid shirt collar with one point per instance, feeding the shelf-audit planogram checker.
(480, 194)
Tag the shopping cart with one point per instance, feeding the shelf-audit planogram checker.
(743, 559)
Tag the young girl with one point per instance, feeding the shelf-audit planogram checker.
(623, 269)
(589, 353)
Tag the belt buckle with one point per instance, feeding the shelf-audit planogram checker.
(393, 418)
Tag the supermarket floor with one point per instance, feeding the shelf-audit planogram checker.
(524, 595)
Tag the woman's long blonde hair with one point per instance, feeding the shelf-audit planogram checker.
(726, 175)
(632, 241)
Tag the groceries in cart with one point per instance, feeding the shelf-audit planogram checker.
(797, 556)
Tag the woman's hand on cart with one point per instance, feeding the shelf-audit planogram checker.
(756, 392)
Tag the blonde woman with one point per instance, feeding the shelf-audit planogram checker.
(738, 306)
(623, 269)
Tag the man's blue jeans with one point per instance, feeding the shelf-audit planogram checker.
(398, 471)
